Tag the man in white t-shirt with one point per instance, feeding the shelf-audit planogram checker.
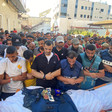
(12, 72)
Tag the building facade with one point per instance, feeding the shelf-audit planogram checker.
(70, 14)
(9, 10)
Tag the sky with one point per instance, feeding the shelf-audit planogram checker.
(38, 6)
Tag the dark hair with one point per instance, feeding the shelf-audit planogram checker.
(30, 36)
(11, 50)
(71, 54)
(90, 47)
(40, 39)
(27, 54)
(21, 34)
(6, 32)
(48, 43)
(48, 33)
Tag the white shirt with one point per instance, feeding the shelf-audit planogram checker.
(12, 69)
(49, 57)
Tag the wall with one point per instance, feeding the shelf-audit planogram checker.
(9, 16)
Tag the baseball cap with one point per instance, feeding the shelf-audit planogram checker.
(91, 39)
(16, 40)
(60, 39)
(105, 45)
(75, 41)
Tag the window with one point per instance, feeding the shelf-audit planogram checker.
(102, 10)
(85, 7)
(87, 16)
(81, 15)
(64, 5)
(89, 8)
(84, 16)
(63, 14)
(75, 15)
(82, 7)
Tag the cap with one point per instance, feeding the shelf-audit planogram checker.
(16, 40)
(60, 39)
(105, 45)
(75, 41)
(91, 39)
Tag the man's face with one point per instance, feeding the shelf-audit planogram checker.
(12, 57)
(29, 40)
(71, 61)
(90, 53)
(48, 49)
(48, 36)
(41, 43)
(103, 47)
(110, 49)
(69, 42)
(31, 46)
(60, 44)
(100, 42)
(75, 46)
(9, 43)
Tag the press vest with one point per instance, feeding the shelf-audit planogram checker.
(106, 59)
(69, 73)
(86, 63)
(89, 82)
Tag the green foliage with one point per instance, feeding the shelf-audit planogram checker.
(83, 32)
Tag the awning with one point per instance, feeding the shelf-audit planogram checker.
(101, 23)
(18, 5)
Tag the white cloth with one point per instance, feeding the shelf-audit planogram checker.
(12, 69)
(20, 51)
(85, 101)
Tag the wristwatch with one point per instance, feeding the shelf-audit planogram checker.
(44, 77)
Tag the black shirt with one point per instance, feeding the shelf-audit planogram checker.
(41, 64)
(62, 53)
(79, 59)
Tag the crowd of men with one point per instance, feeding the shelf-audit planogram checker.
(53, 60)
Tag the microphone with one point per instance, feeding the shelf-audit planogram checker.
(56, 92)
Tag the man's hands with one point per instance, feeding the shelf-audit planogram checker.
(108, 68)
(48, 76)
(87, 73)
(70, 81)
(21, 77)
